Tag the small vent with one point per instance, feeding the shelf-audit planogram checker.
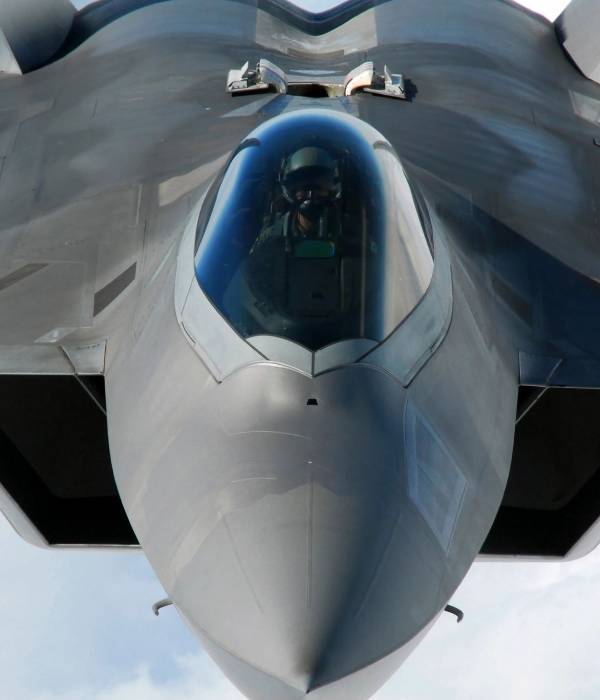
(307, 90)
(312, 402)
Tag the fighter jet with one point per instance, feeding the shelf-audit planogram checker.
(304, 305)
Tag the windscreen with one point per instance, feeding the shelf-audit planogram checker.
(313, 234)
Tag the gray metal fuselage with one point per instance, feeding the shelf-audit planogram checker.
(309, 546)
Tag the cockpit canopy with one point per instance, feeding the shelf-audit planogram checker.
(312, 233)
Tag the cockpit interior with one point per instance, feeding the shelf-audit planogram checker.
(312, 233)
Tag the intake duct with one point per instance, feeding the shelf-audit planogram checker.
(56, 475)
(552, 498)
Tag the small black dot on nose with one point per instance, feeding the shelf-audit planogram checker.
(312, 402)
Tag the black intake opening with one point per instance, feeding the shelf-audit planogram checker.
(553, 491)
(55, 460)
(307, 90)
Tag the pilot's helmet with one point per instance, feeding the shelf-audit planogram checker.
(310, 180)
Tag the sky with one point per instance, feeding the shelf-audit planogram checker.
(79, 626)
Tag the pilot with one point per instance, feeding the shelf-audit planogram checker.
(310, 184)
(293, 267)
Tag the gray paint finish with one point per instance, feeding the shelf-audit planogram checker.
(20, 274)
(578, 28)
(31, 32)
(310, 546)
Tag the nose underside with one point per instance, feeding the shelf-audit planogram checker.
(297, 550)
(314, 570)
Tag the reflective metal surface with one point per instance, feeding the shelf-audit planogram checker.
(311, 510)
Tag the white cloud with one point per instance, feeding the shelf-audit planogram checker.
(530, 632)
(73, 619)
(549, 8)
(197, 679)
(78, 626)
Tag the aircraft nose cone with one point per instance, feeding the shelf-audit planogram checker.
(298, 549)
(314, 569)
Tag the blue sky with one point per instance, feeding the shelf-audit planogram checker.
(78, 626)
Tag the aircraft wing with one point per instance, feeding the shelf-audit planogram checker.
(99, 151)
(107, 133)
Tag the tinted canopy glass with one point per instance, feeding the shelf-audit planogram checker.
(312, 233)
